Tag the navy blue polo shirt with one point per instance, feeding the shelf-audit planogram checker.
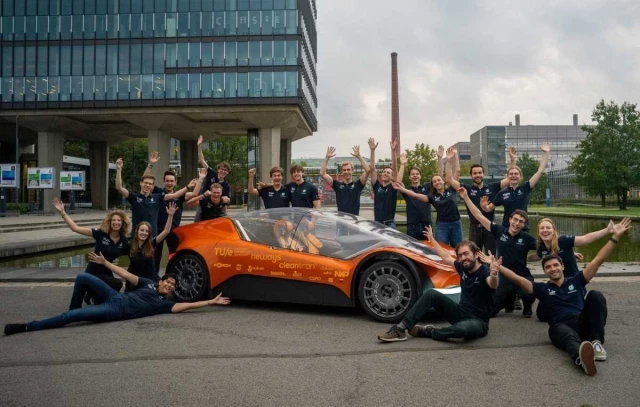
(348, 195)
(512, 199)
(303, 195)
(162, 213)
(143, 266)
(212, 178)
(418, 211)
(273, 198)
(476, 297)
(145, 300)
(145, 209)
(565, 251)
(384, 202)
(476, 194)
(446, 205)
(109, 250)
(513, 249)
(564, 301)
(211, 210)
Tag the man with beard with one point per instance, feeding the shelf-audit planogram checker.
(513, 245)
(576, 322)
(477, 233)
(385, 196)
(303, 194)
(347, 191)
(469, 318)
(275, 195)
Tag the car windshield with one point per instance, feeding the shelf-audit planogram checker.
(327, 233)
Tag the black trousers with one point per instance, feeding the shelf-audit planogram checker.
(479, 235)
(157, 256)
(416, 229)
(586, 326)
(463, 325)
(506, 295)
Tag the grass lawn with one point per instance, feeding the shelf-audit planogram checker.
(586, 210)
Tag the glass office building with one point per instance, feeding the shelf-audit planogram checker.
(222, 55)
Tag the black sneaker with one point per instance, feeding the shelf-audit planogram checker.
(517, 304)
(422, 331)
(527, 313)
(11, 329)
(394, 334)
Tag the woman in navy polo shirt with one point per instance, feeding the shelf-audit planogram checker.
(110, 239)
(141, 259)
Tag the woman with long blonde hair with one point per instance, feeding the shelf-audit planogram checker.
(111, 241)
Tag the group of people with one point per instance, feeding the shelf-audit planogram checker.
(492, 263)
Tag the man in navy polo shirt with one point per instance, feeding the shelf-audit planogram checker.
(303, 194)
(516, 196)
(418, 212)
(513, 245)
(470, 318)
(145, 205)
(275, 195)
(385, 196)
(576, 322)
(347, 191)
(477, 233)
(145, 300)
(216, 176)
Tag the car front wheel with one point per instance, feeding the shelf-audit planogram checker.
(192, 278)
(387, 290)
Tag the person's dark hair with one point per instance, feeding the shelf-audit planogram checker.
(151, 177)
(474, 247)
(225, 165)
(295, 168)
(168, 276)
(416, 169)
(475, 166)
(169, 172)
(521, 213)
(550, 257)
(276, 169)
(389, 167)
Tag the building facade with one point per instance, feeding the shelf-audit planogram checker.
(109, 70)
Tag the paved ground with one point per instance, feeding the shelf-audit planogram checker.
(274, 355)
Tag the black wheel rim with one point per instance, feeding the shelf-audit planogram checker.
(190, 277)
(387, 292)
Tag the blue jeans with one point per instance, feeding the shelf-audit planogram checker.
(109, 308)
(449, 232)
(389, 223)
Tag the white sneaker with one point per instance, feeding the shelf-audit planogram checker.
(598, 350)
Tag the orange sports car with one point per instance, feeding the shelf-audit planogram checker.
(307, 256)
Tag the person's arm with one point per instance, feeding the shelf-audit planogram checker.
(72, 225)
(192, 184)
(374, 173)
(513, 157)
(171, 210)
(477, 213)
(439, 154)
(121, 272)
(456, 169)
(185, 306)
(593, 236)
(403, 166)
(331, 152)
(494, 268)
(486, 205)
(394, 156)
(196, 198)
(251, 187)
(154, 157)
(177, 194)
(123, 191)
(365, 167)
(200, 153)
(619, 229)
(546, 148)
(444, 254)
(525, 284)
(195, 201)
(399, 186)
(316, 198)
(448, 177)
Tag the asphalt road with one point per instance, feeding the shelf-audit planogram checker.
(254, 354)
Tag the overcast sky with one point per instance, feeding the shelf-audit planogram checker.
(465, 64)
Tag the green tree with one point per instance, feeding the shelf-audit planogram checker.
(424, 158)
(234, 150)
(302, 163)
(76, 148)
(465, 167)
(610, 154)
(529, 166)
(135, 155)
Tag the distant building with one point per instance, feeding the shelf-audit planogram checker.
(464, 150)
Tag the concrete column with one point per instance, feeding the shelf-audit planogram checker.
(188, 161)
(269, 152)
(285, 155)
(160, 141)
(50, 152)
(99, 160)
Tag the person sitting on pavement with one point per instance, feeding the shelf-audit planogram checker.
(111, 240)
(142, 258)
(576, 322)
(146, 300)
(469, 318)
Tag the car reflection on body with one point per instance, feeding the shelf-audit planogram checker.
(307, 256)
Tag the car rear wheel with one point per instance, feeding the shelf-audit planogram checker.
(387, 290)
(192, 278)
